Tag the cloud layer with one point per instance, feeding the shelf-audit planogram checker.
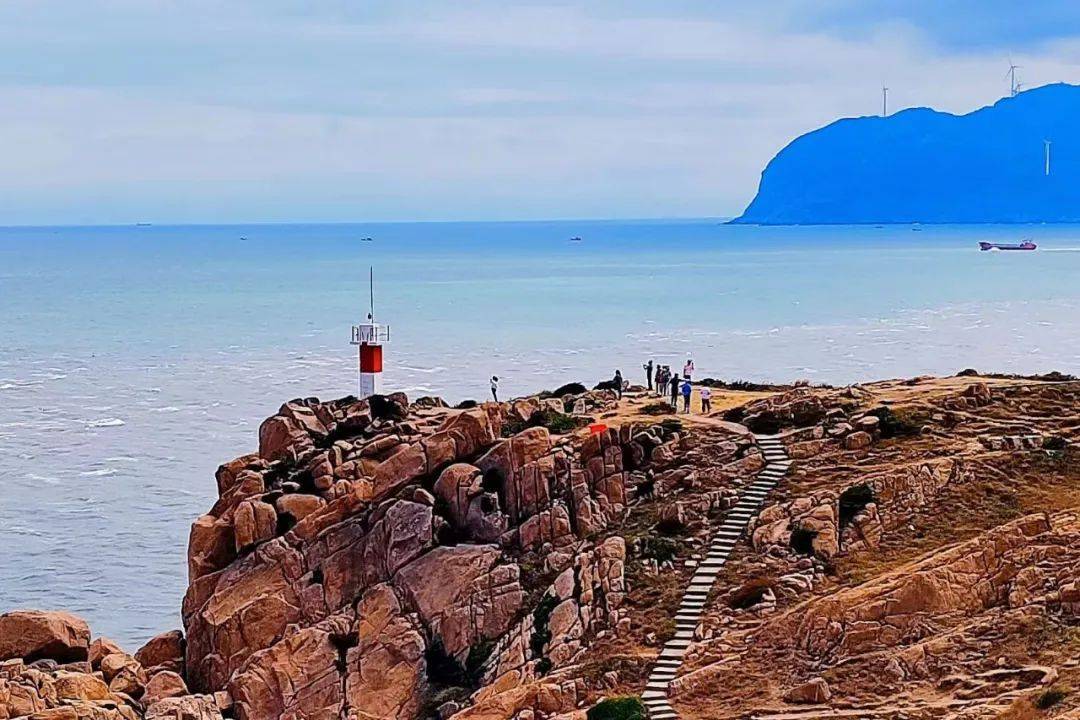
(118, 111)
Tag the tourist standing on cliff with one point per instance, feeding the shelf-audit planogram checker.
(495, 388)
(673, 384)
(647, 367)
(706, 400)
(686, 396)
(659, 375)
(618, 382)
(688, 369)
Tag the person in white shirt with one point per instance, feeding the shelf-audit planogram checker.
(688, 369)
(495, 388)
(706, 400)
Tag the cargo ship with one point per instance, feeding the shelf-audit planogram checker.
(1026, 245)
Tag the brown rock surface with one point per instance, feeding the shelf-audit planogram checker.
(164, 684)
(165, 651)
(381, 560)
(34, 634)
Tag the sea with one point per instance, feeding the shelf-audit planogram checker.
(134, 360)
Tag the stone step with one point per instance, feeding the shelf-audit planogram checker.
(695, 598)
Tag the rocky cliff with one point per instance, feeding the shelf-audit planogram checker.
(381, 559)
(921, 165)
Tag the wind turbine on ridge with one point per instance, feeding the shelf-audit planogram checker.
(1014, 87)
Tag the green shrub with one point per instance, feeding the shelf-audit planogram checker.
(670, 527)
(556, 422)
(1050, 698)
(474, 663)
(749, 593)
(541, 635)
(897, 423)
(573, 388)
(618, 708)
(802, 541)
(659, 549)
(1054, 442)
(853, 500)
(442, 668)
(672, 424)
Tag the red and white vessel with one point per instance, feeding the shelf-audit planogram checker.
(1026, 245)
(369, 338)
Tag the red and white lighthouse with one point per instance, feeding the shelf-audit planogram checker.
(369, 338)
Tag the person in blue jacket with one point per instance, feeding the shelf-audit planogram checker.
(686, 396)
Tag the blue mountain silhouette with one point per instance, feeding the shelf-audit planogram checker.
(921, 165)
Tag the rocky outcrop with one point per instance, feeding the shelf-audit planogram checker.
(799, 407)
(369, 546)
(1007, 567)
(53, 671)
(829, 521)
(381, 559)
(32, 635)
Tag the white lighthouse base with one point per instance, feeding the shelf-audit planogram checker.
(369, 384)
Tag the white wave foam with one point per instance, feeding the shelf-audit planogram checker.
(426, 371)
(100, 472)
(104, 423)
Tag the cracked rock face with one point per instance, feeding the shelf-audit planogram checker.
(369, 547)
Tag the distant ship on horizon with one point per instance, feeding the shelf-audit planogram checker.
(1026, 245)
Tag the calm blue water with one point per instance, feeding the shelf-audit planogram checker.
(133, 360)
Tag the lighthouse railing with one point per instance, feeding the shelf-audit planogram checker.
(369, 334)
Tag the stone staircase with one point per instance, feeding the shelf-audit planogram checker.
(690, 610)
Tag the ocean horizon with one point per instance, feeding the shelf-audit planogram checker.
(134, 359)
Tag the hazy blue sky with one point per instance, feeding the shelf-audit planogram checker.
(121, 111)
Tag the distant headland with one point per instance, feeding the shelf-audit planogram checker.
(1016, 161)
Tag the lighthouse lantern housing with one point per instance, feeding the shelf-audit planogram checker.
(369, 337)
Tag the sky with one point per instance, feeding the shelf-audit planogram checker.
(118, 111)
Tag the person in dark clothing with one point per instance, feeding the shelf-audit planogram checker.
(647, 367)
(673, 384)
(659, 377)
(618, 382)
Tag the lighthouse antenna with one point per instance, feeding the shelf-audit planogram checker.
(371, 291)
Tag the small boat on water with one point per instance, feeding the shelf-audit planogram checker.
(1026, 245)
(575, 239)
